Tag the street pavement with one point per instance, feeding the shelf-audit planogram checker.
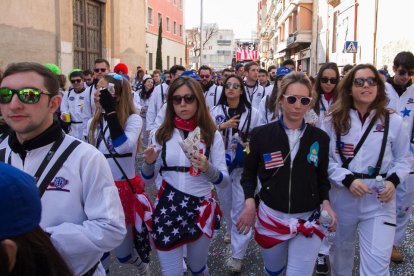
(253, 265)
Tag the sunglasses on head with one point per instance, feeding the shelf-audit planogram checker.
(292, 99)
(230, 84)
(28, 95)
(76, 81)
(330, 80)
(102, 70)
(188, 99)
(402, 72)
(360, 82)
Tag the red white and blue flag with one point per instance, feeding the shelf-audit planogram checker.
(273, 160)
(347, 149)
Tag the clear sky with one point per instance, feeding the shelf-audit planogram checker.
(238, 15)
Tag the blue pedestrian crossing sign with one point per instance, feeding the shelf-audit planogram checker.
(351, 46)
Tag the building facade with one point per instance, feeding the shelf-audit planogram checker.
(72, 33)
(170, 13)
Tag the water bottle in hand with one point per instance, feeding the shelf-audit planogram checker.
(379, 185)
(325, 219)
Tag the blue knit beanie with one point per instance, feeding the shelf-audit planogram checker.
(20, 207)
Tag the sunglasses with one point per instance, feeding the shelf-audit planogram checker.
(27, 95)
(188, 99)
(330, 80)
(292, 99)
(230, 84)
(97, 70)
(360, 82)
(403, 72)
(204, 76)
(76, 81)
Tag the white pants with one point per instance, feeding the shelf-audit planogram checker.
(197, 253)
(297, 255)
(405, 200)
(376, 229)
(232, 204)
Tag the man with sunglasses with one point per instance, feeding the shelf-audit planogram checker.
(101, 69)
(211, 91)
(81, 209)
(400, 91)
(72, 103)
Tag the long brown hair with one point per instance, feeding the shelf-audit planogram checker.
(203, 117)
(124, 106)
(291, 78)
(35, 256)
(339, 111)
(318, 87)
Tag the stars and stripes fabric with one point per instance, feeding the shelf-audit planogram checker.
(273, 160)
(180, 218)
(271, 230)
(247, 54)
(347, 149)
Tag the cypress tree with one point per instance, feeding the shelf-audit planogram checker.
(158, 60)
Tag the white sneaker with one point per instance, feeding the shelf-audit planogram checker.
(143, 269)
(234, 265)
(227, 238)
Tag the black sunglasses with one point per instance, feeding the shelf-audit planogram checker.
(103, 70)
(188, 99)
(230, 84)
(403, 72)
(27, 95)
(360, 82)
(292, 99)
(76, 81)
(331, 80)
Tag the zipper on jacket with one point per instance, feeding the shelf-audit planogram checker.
(290, 184)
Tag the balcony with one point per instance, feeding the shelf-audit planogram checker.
(281, 46)
(224, 42)
(298, 37)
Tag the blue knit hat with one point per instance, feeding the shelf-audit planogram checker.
(190, 74)
(20, 207)
(282, 71)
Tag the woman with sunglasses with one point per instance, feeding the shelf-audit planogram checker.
(292, 168)
(368, 145)
(186, 211)
(325, 87)
(114, 130)
(141, 100)
(235, 118)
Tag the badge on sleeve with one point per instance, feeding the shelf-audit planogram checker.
(313, 154)
(273, 160)
(247, 147)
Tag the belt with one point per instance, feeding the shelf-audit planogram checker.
(176, 169)
(367, 176)
(73, 122)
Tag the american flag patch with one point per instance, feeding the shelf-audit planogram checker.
(347, 149)
(273, 160)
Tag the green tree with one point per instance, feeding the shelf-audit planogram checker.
(158, 59)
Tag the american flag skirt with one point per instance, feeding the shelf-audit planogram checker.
(271, 230)
(181, 218)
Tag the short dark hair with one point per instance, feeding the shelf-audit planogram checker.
(175, 68)
(50, 80)
(76, 74)
(271, 67)
(250, 64)
(263, 71)
(102, 60)
(205, 67)
(289, 61)
(405, 60)
(228, 70)
(87, 72)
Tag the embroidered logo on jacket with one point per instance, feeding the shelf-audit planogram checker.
(379, 128)
(347, 149)
(313, 154)
(58, 184)
(273, 160)
(410, 101)
(219, 119)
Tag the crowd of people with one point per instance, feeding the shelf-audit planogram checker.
(305, 164)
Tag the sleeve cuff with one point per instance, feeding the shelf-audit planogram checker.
(213, 175)
(394, 179)
(119, 140)
(349, 178)
(147, 171)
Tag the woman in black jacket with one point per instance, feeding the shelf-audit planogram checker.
(292, 168)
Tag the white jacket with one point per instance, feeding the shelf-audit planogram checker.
(89, 108)
(155, 103)
(73, 103)
(213, 95)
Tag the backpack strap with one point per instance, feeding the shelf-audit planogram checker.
(3, 155)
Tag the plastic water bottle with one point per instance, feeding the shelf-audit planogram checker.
(325, 219)
(379, 185)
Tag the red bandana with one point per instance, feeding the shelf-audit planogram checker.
(188, 125)
(328, 96)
